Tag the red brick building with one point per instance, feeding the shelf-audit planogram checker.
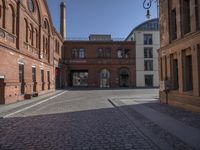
(100, 62)
(30, 50)
(179, 55)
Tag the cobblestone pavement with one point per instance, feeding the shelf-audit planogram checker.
(78, 120)
(187, 117)
(81, 120)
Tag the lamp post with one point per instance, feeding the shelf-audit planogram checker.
(147, 5)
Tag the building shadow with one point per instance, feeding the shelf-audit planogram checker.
(105, 128)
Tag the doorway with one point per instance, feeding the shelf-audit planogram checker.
(21, 78)
(2, 90)
(48, 79)
(79, 78)
(104, 78)
(34, 78)
(124, 77)
(148, 80)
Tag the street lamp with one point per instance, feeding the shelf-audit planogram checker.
(147, 5)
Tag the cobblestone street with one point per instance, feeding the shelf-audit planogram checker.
(93, 120)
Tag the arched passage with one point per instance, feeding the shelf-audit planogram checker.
(124, 77)
(104, 78)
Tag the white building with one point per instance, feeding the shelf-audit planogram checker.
(147, 37)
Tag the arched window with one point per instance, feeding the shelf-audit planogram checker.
(46, 26)
(26, 28)
(104, 78)
(31, 37)
(43, 44)
(11, 24)
(123, 77)
(47, 46)
(31, 5)
(36, 39)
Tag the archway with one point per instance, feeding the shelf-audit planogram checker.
(104, 78)
(124, 77)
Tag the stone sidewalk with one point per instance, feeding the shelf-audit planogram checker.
(184, 136)
(10, 108)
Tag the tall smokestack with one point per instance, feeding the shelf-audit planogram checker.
(63, 31)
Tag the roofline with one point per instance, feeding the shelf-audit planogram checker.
(100, 42)
(134, 29)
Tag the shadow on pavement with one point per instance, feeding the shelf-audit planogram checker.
(90, 129)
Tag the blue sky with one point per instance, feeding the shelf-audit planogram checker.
(115, 17)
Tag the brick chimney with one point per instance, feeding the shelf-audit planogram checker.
(63, 31)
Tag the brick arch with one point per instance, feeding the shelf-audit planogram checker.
(39, 11)
(124, 77)
(47, 25)
(26, 29)
(10, 25)
(104, 80)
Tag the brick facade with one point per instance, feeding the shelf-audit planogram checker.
(27, 41)
(179, 62)
(99, 56)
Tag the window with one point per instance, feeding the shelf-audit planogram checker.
(197, 14)
(31, 5)
(148, 80)
(100, 53)
(148, 39)
(26, 28)
(80, 78)
(36, 39)
(123, 53)
(103, 53)
(78, 53)
(173, 25)
(104, 78)
(188, 85)
(186, 16)
(75, 53)
(44, 48)
(45, 24)
(34, 78)
(31, 34)
(42, 79)
(175, 82)
(11, 22)
(81, 53)
(47, 46)
(21, 77)
(48, 80)
(148, 65)
(148, 52)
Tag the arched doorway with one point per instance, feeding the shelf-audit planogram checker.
(124, 77)
(104, 78)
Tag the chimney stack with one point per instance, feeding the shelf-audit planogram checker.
(63, 31)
